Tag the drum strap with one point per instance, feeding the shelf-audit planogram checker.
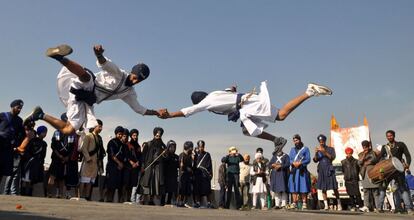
(388, 149)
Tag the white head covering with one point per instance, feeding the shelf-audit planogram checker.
(258, 155)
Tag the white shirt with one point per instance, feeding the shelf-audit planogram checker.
(109, 79)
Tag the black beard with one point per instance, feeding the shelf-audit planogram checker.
(300, 145)
(128, 82)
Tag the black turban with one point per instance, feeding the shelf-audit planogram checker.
(119, 129)
(171, 143)
(141, 70)
(197, 96)
(322, 137)
(15, 103)
(188, 145)
(134, 131)
(158, 130)
(201, 143)
(126, 132)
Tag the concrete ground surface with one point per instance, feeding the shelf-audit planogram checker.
(19, 208)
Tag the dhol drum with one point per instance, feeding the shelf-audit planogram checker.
(384, 169)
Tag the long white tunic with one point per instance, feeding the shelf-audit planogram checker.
(259, 186)
(253, 113)
(107, 80)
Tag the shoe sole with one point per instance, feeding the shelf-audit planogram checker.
(29, 117)
(61, 50)
(327, 90)
(281, 145)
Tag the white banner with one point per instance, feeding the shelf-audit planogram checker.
(342, 138)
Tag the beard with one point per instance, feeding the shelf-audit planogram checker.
(298, 146)
(128, 82)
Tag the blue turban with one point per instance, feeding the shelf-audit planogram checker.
(141, 70)
(15, 103)
(64, 117)
(41, 129)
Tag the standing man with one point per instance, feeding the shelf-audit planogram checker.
(152, 181)
(233, 160)
(252, 109)
(89, 168)
(12, 134)
(351, 171)
(324, 155)
(245, 167)
(171, 173)
(398, 150)
(79, 89)
(299, 178)
(279, 178)
(135, 151)
(367, 160)
(101, 154)
(62, 149)
(115, 165)
(33, 160)
(203, 173)
(222, 181)
(185, 186)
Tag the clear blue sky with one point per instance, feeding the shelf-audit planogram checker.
(364, 50)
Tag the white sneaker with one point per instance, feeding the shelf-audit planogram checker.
(317, 90)
(364, 209)
(304, 206)
(339, 208)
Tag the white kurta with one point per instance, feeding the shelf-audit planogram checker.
(253, 113)
(107, 80)
(259, 186)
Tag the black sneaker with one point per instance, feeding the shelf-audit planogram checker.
(280, 142)
(35, 115)
(59, 52)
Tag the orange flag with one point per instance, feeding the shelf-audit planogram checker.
(334, 124)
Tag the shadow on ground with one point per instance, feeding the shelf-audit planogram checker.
(21, 215)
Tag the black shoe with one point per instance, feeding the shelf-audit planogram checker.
(59, 52)
(35, 115)
(280, 142)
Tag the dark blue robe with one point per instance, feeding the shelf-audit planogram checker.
(279, 178)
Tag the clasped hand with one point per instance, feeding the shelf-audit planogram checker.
(163, 113)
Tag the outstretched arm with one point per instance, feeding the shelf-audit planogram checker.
(165, 114)
(152, 112)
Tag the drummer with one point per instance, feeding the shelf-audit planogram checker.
(367, 160)
(397, 150)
